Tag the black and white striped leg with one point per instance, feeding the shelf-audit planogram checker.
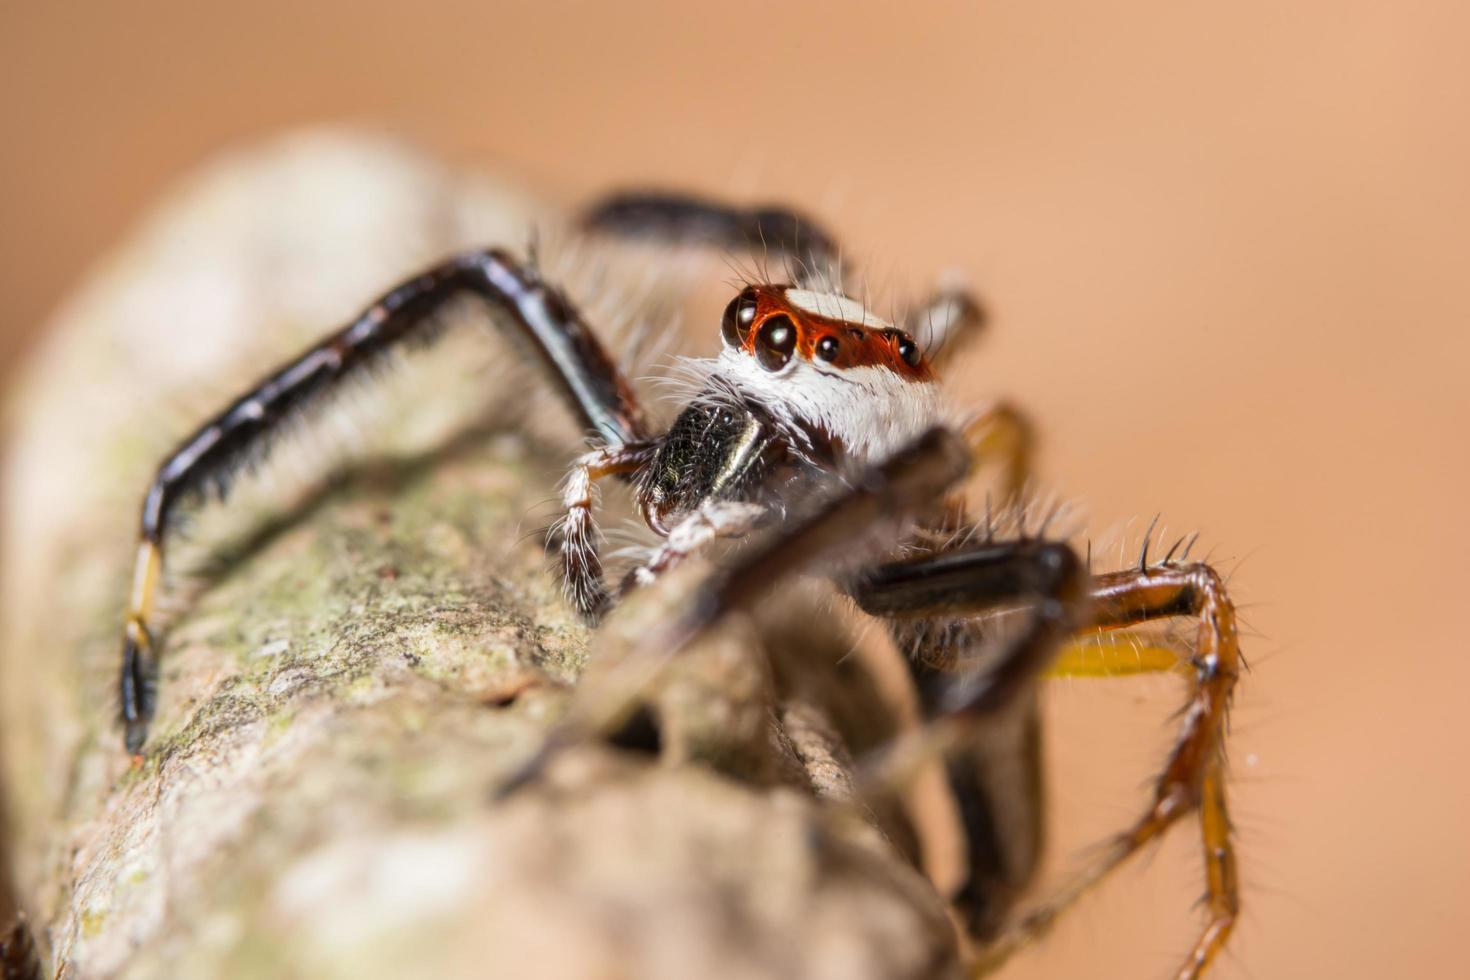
(531, 312)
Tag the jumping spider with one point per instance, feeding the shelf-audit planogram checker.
(811, 398)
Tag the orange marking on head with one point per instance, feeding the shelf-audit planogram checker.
(829, 338)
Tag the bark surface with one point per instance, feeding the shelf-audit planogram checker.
(354, 663)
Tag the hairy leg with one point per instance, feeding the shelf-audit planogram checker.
(1001, 433)
(533, 313)
(1193, 777)
(1004, 432)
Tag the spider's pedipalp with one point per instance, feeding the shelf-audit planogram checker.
(580, 563)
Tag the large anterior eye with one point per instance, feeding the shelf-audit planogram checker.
(739, 315)
(909, 351)
(776, 341)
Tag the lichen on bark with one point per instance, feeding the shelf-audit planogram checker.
(371, 655)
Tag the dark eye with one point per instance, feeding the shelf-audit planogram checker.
(827, 348)
(909, 351)
(739, 315)
(775, 342)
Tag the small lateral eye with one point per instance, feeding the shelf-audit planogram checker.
(828, 347)
(776, 341)
(909, 351)
(739, 315)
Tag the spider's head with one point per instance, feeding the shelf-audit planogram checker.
(781, 325)
(825, 362)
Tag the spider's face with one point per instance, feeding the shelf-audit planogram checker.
(779, 325)
(826, 363)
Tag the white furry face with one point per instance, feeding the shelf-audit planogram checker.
(870, 411)
(823, 363)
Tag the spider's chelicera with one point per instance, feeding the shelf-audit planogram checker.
(816, 419)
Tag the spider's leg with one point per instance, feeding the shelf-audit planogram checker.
(720, 519)
(1047, 575)
(524, 307)
(945, 323)
(1000, 433)
(581, 564)
(683, 219)
(1004, 432)
(867, 513)
(981, 719)
(1194, 776)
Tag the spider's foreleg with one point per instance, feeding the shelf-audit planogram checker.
(581, 565)
(531, 312)
(684, 219)
(982, 720)
(1193, 778)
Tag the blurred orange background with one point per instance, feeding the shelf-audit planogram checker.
(1225, 247)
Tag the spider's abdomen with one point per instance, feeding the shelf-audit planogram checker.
(714, 451)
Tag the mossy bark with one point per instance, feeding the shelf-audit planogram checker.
(341, 694)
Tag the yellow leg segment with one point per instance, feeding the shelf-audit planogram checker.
(1121, 654)
(146, 570)
(1193, 777)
